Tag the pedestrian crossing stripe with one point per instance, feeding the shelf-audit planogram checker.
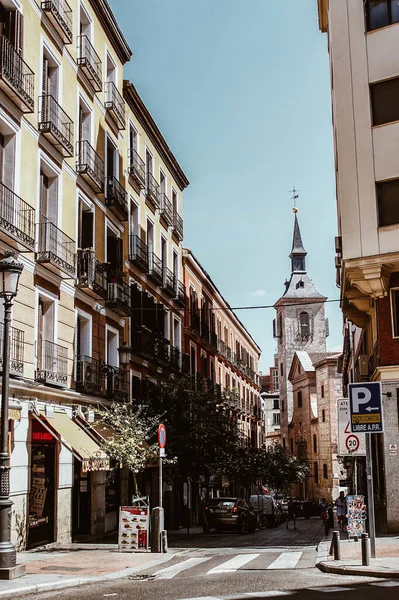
(286, 560)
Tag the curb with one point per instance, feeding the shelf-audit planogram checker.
(36, 588)
(348, 570)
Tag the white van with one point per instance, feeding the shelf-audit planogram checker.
(266, 510)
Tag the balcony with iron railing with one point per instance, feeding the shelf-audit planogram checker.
(17, 80)
(168, 282)
(89, 62)
(195, 322)
(90, 165)
(116, 198)
(52, 364)
(17, 220)
(88, 376)
(136, 167)
(55, 124)
(60, 14)
(16, 356)
(114, 104)
(178, 226)
(180, 293)
(221, 347)
(116, 383)
(155, 268)
(162, 350)
(119, 295)
(144, 342)
(174, 358)
(153, 192)
(138, 252)
(92, 274)
(55, 248)
(166, 209)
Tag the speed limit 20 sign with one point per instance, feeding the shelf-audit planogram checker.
(349, 444)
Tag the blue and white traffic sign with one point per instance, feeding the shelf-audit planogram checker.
(365, 407)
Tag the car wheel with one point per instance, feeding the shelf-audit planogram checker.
(242, 526)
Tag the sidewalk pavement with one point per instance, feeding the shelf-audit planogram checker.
(71, 565)
(386, 563)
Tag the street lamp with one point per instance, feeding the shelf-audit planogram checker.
(10, 271)
(125, 354)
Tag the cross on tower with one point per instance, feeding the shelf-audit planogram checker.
(294, 197)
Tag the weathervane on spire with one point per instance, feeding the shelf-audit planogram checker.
(294, 197)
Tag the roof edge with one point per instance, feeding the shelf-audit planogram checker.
(142, 113)
(110, 25)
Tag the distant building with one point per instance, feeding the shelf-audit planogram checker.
(270, 403)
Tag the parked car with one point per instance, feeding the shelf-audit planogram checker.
(266, 510)
(229, 513)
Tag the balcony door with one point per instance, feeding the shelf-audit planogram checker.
(85, 226)
(50, 75)
(48, 198)
(11, 26)
(45, 335)
(84, 123)
(114, 253)
(112, 161)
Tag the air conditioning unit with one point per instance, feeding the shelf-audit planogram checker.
(363, 363)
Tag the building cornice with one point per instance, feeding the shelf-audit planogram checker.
(145, 119)
(109, 24)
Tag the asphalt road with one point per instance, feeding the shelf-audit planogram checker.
(268, 563)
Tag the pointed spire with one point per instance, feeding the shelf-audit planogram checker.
(298, 252)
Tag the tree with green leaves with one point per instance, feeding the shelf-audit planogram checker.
(279, 470)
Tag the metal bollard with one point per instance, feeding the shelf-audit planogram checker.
(336, 545)
(365, 549)
(164, 538)
(157, 526)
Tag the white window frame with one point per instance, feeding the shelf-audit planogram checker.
(109, 328)
(88, 317)
(391, 294)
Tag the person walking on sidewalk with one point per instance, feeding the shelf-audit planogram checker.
(292, 512)
(340, 503)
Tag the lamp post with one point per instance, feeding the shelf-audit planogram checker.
(10, 271)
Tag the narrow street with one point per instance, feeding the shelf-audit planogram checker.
(268, 563)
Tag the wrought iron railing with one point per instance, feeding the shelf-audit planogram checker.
(174, 357)
(52, 363)
(17, 218)
(88, 59)
(62, 15)
(166, 208)
(117, 197)
(55, 247)
(91, 273)
(180, 293)
(136, 167)
(54, 121)
(144, 342)
(119, 295)
(155, 268)
(117, 384)
(88, 377)
(89, 163)
(221, 347)
(17, 74)
(16, 356)
(168, 281)
(138, 252)
(162, 349)
(115, 103)
(153, 192)
(178, 225)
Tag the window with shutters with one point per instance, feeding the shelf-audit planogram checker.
(48, 194)
(114, 253)
(177, 333)
(84, 123)
(134, 219)
(7, 159)
(150, 236)
(112, 162)
(111, 347)
(50, 76)
(85, 225)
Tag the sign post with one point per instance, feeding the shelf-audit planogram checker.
(365, 406)
(161, 444)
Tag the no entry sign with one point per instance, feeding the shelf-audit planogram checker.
(162, 436)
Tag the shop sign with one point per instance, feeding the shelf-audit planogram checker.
(14, 414)
(95, 464)
(393, 449)
(133, 529)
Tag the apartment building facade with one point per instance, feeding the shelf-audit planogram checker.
(91, 202)
(220, 349)
(270, 403)
(362, 40)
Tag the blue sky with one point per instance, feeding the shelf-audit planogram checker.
(241, 92)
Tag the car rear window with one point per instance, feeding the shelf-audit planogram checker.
(222, 502)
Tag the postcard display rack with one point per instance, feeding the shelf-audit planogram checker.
(133, 529)
(356, 513)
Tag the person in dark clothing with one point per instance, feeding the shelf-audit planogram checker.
(291, 512)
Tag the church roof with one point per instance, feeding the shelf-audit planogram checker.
(301, 287)
(309, 360)
(297, 245)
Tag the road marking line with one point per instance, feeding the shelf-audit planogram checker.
(286, 560)
(387, 583)
(230, 566)
(269, 594)
(170, 572)
(331, 589)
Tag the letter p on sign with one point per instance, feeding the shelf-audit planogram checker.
(360, 396)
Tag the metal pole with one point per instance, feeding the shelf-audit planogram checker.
(8, 555)
(355, 475)
(160, 477)
(370, 493)
(365, 549)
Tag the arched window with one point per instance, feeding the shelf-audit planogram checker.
(304, 324)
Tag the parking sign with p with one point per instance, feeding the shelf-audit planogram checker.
(365, 407)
